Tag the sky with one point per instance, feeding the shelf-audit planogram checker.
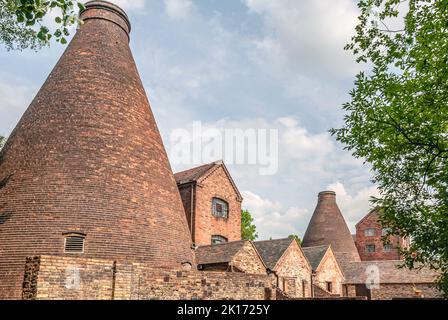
(240, 64)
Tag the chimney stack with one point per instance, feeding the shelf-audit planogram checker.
(87, 159)
(328, 227)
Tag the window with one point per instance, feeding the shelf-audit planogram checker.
(329, 286)
(74, 243)
(370, 232)
(387, 248)
(370, 248)
(218, 239)
(385, 231)
(304, 288)
(220, 208)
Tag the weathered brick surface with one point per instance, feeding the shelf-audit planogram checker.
(293, 272)
(247, 260)
(80, 278)
(388, 291)
(371, 221)
(329, 271)
(87, 156)
(328, 227)
(203, 224)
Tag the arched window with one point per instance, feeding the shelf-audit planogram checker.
(217, 239)
(220, 208)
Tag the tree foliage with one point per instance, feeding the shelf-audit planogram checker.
(248, 228)
(296, 237)
(397, 120)
(2, 142)
(22, 23)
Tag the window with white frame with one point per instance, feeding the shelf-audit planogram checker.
(369, 232)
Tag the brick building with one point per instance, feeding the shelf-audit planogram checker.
(235, 256)
(369, 240)
(286, 260)
(327, 274)
(90, 209)
(328, 228)
(383, 280)
(212, 203)
(85, 172)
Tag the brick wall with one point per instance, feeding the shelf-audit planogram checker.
(407, 290)
(247, 260)
(371, 221)
(186, 194)
(329, 271)
(388, 291)
(294, 266)
(217, 184)
(52, 277)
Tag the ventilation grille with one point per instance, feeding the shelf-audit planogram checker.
(74, 244)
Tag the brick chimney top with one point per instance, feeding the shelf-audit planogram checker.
(106, 11)
(327, 195)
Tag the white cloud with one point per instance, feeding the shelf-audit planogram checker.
(270, 218)
(307, 36)
(179, 9)
(15, 98)
(282, 204)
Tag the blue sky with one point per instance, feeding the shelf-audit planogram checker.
(240, 64)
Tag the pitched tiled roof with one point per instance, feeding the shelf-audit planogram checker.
(196, 174)
(218, 253)
(315, 254)
(193, 174)
(357, 272)
(272, 250)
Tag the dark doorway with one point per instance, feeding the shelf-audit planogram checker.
(362, 291)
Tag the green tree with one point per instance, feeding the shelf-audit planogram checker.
(22, 22)
(248, 228)
(397, 120)
(294, 236)
(2, 142)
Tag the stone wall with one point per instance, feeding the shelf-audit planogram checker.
(53, 277)
(294, 273)
(388, 291)
(329, 271)
(247, 260)
(406, 290)
(218, 185)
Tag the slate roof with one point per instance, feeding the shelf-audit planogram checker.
(315, 254)
(272, 250)
(357, 272)
(218, 253)
(198, 173)
(193, 174)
